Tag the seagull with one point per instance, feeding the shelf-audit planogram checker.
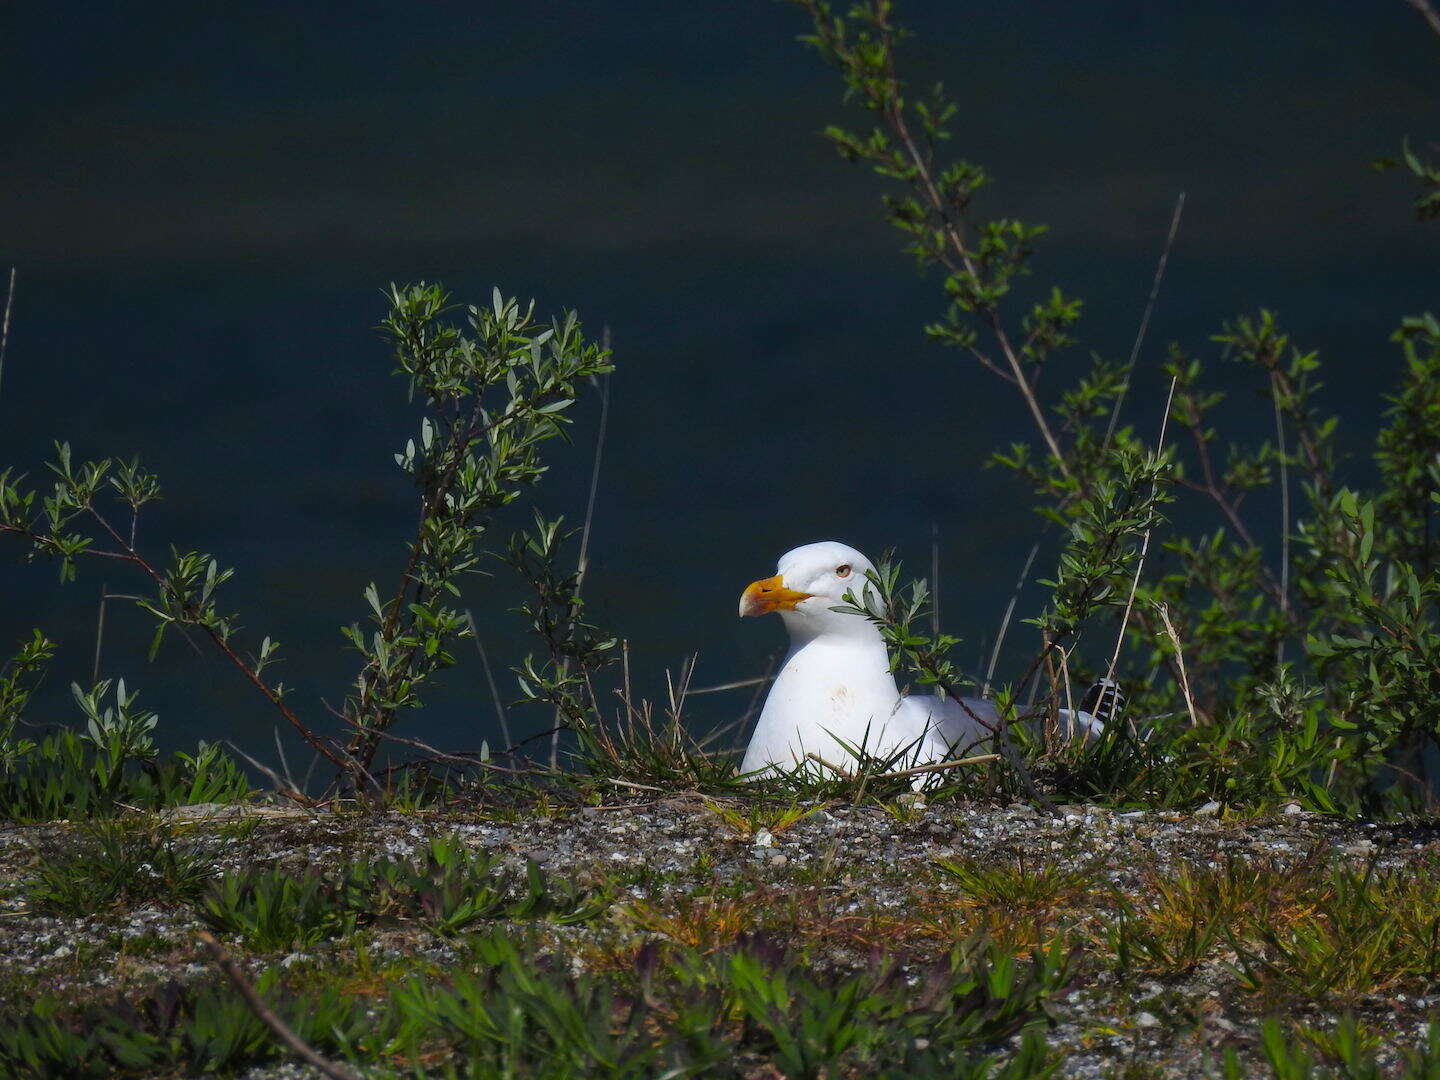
(836, 692)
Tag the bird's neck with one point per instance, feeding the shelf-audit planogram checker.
(859, 659)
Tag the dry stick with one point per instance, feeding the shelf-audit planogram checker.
(1069, 702)
(5, 329)
(583, 563)
(934, 580)
(490, 678)
(1164, 420)
(280, 751)
(1005, 622)
(1145, 317)
(844, 773)
(1140, 563)
(1284, 518)
(99, 637)
(751, 709)
(281, 786)
(725, 729)
(738, 684)
(1426, 11)
(281, 1030)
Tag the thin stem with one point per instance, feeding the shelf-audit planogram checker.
(245, 669)
(1144, 548)
(934, 580)
(5, 327)
(1145, 318)
(99, 637)
(266, 1015)
(1427, 12)
(885, 97)
(490, 678)
(584, 561)
(1005, 622)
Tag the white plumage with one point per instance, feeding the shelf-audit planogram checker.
(835, 689)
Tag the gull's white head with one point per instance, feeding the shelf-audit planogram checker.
(808, 583)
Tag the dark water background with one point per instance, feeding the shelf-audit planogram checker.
(203, 204)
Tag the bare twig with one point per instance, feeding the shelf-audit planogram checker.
(750, 710)
(1005, 622)
(263, 1012)
(583, 562)
(1069, 702)
(738, 684)
(1145, 318)
(900, 774)
(5, 327)
(490, 678)
(284, 761)
(99, 637)
(282, 787)
(934, 580)
(632, 784)
(1144, 550)
(939, 766)
(885, 96)
(1424, 7)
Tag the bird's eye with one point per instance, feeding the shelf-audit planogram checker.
(842, 571)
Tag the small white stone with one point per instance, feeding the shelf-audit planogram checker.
(764, 838)
(1291, 809)
(1210, 809)
(62, 952)
(1147, 1020)
(778, 859)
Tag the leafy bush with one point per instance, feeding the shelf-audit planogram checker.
(109, 767)
(1307, 672)
(490, 397)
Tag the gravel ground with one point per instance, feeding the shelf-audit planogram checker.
(847, 864)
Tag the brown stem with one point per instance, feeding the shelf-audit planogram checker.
(888, 102)
(315, 741)
(266, 1015)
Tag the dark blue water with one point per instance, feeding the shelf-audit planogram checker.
(203, 212)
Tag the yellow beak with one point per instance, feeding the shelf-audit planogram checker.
(762, 597)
